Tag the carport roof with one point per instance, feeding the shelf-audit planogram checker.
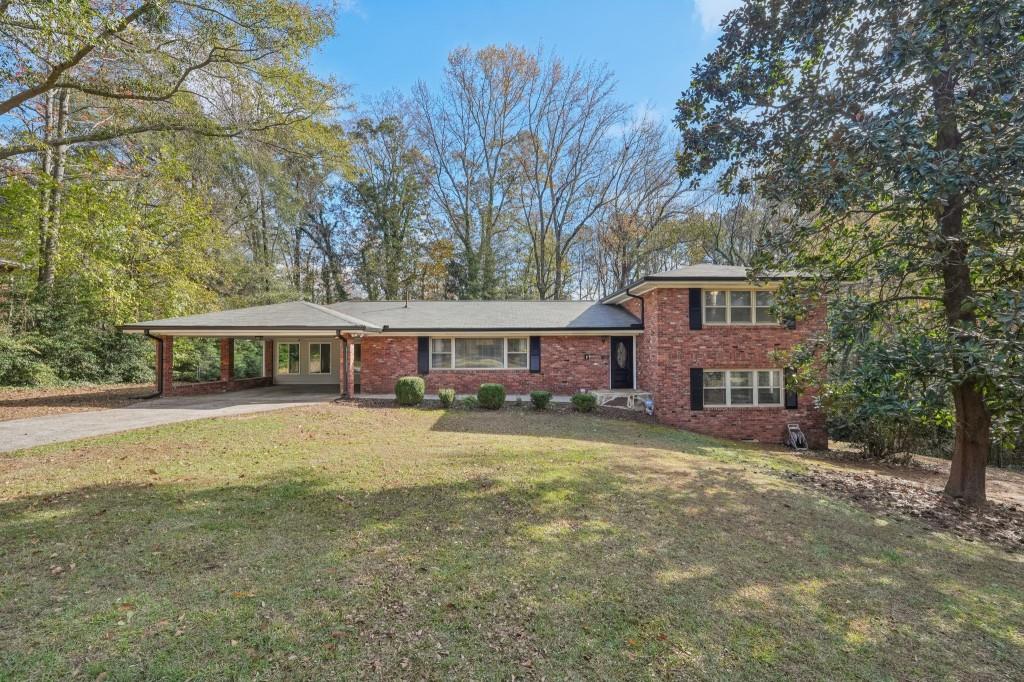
(294, 315)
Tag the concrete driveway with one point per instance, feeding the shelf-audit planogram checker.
(57, 428)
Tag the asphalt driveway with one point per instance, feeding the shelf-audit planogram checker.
(26, 433)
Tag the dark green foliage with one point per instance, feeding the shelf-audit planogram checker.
(584, 402)
(21, 363)
(470, 402)
(248, 358)
(491, 396)
(410, 390)
(540, 399)
(196, 359)
(447, 397)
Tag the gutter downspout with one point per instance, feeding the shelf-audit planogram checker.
(643, 311)
(159, 365)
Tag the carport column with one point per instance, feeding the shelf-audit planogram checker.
(268, 358)
(347, 378)
(227, 358)
(165, 364)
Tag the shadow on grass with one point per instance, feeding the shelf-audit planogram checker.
(594, 572)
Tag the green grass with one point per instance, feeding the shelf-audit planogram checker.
(351, 543)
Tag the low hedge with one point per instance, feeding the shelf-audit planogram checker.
(410, 390)
(446, 396)
(584, 402)
(540, 399)
(491, 396)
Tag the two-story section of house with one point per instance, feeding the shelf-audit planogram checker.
(709, 353)
(700, 341)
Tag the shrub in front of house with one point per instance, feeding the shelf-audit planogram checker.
(470, 402)
(491, 396)
(540, 399)
(410, 390)
(446, 396)
(584, 402)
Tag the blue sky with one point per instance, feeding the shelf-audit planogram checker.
(650, 45)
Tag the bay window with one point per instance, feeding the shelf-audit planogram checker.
(742, 387)
(738, 306)
(479, 352)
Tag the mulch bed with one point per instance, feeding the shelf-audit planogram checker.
(996, 522)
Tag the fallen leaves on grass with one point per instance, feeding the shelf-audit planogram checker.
(995, 522)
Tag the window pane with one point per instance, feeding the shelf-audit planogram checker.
(714, 379)
(325, 357)
(765, 315)
(740, 315)
(741, 379)
(288, 358)
(441, 345)
(440, 360)
(479, 353)
(248, 358)
(739, 299)
(314, 358)
(714, 298)
(714, 314)
(517, 360)
(742, 396)
(517, 344)
(765, 299)
(714, 396)
(769, 396)
(764, 378)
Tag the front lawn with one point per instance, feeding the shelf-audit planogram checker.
(357, 542)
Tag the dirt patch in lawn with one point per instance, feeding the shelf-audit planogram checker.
(915, 491)
(23, 403)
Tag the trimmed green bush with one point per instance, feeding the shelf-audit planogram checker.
(470, 402)
(584, 402)
(446, 396)
(410, 390)
(540, 399)
(491, 396)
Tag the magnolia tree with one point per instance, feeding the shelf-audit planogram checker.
(893, 133)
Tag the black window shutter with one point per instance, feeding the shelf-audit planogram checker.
(791, 399)
(789, 323)
(695, 316)
(696, 388)
(423, 354)
(535, 354)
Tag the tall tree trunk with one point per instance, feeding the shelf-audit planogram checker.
(973, 421)
(58, 159)
(49, 117)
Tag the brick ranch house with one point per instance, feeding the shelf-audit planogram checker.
(698, 339)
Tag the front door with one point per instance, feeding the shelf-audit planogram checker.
(622, 361)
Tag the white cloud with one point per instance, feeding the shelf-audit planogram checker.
(712, 11)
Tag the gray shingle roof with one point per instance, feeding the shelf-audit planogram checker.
(415, 316)
(703, 272)
(292, 315)
(489, 315)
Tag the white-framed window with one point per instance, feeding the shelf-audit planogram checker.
(742, 387)
(288, 358)
(738, 306)
(320, 358)
(483, 352)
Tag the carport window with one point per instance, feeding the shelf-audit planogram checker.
(287, 358)
(319, 358)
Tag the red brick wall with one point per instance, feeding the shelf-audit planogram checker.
(564, 370)
(668, 348)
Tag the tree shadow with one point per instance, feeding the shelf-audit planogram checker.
(636, 569)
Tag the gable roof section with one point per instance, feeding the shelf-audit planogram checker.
(471, 316)
(399, 316)
(294, 315)
(702, 273)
